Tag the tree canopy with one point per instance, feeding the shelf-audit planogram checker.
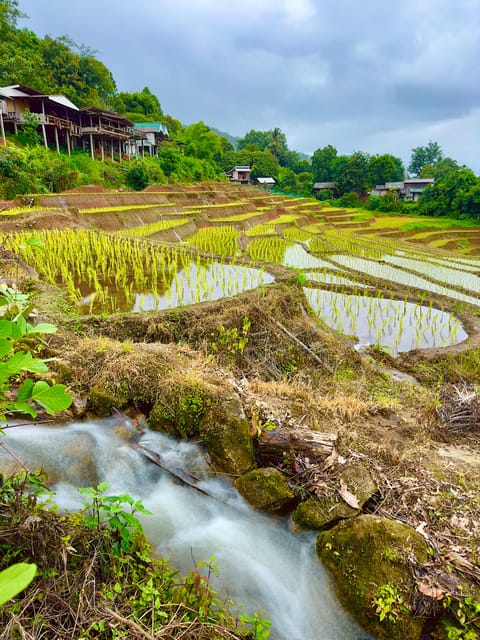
(430, 154)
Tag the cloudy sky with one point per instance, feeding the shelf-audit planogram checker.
(376, 76)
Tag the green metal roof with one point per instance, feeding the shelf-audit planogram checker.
(151, 126)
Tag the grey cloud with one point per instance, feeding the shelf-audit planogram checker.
(347, 73)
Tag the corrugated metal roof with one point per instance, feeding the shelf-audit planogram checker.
(64, 101)
(324, 185)
(266, 180)
(157, 127)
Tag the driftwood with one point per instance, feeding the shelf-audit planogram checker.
(178, 474)
(273, 446)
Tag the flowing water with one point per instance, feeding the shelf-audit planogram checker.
(262, 564)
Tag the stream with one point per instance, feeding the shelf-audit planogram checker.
(262, 564)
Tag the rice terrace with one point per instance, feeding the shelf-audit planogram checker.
(326, 358)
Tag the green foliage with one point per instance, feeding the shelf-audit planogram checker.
(15, 364)
(143, 105)
(323, 164)
(231, 341)
(385, 168)
(430, 154)
(104, 510)
(388, 603)
(137, 176)
(28, 134)
(15, 579)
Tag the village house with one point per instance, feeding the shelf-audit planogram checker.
(265, 183)
(409, 189)
(153, 134)
(240, 174)
(324, 186)
(62, 124)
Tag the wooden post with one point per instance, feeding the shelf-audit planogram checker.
(68, 141)
(57, 143)
(2, 129)
(91, 147)
(103, 150)
(112, 150)
(44, 136)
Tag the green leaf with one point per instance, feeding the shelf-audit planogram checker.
(15, 579)
(25, 391)
(52, 398)
(23, 407)
(5, 329)
(5, 347)
(22, 325)
(103, 486)
(42, 327)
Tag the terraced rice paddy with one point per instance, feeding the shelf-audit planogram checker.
(345, 254)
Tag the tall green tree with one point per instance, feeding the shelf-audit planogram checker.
(351, 174)
(440, 169)
(261, 139)
(278, 145)
(139, 106)
(385, 168)
(430, 154)
(264, 165)
(323, 164)
(453, 195)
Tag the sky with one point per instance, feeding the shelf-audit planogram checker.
(376, 76)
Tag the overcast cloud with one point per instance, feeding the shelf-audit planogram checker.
(376, 76)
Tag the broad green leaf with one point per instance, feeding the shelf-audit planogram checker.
(42, 327)
(21, 361)
(25, 391)
(5, 347)
(24, 407)
(52, 398)
(22, 325)
(103, 486)
(15, 579)
(5, 329)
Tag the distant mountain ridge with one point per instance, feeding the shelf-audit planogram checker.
(226, 135)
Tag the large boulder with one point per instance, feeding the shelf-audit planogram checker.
(325, 510)
(371, 561)
(265, 489)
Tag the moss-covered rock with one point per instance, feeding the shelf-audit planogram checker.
(370, 558)
(266, 489)
(323, 512)
(225, 431)
(102, 401)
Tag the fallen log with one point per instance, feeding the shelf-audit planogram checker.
(273, 446)
(178, 474)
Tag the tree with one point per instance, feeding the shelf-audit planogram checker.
(261, 139)
(264, 165)
(441, 168)
(278, 144)
(431, 154)
(353, 174)
(385, 168)
(139, 106)
(323, 164)
(452, 195)
(9, 14)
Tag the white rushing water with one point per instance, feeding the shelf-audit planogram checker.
(262, 564)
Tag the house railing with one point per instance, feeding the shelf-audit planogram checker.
(105, 129)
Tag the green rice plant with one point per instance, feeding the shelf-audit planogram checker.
(240, 217)
(150, 229)
(265, 229)
(268, 249)
(126, 207)
(19, 210)
(97, 262)
(295, 234)
(220, 241)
